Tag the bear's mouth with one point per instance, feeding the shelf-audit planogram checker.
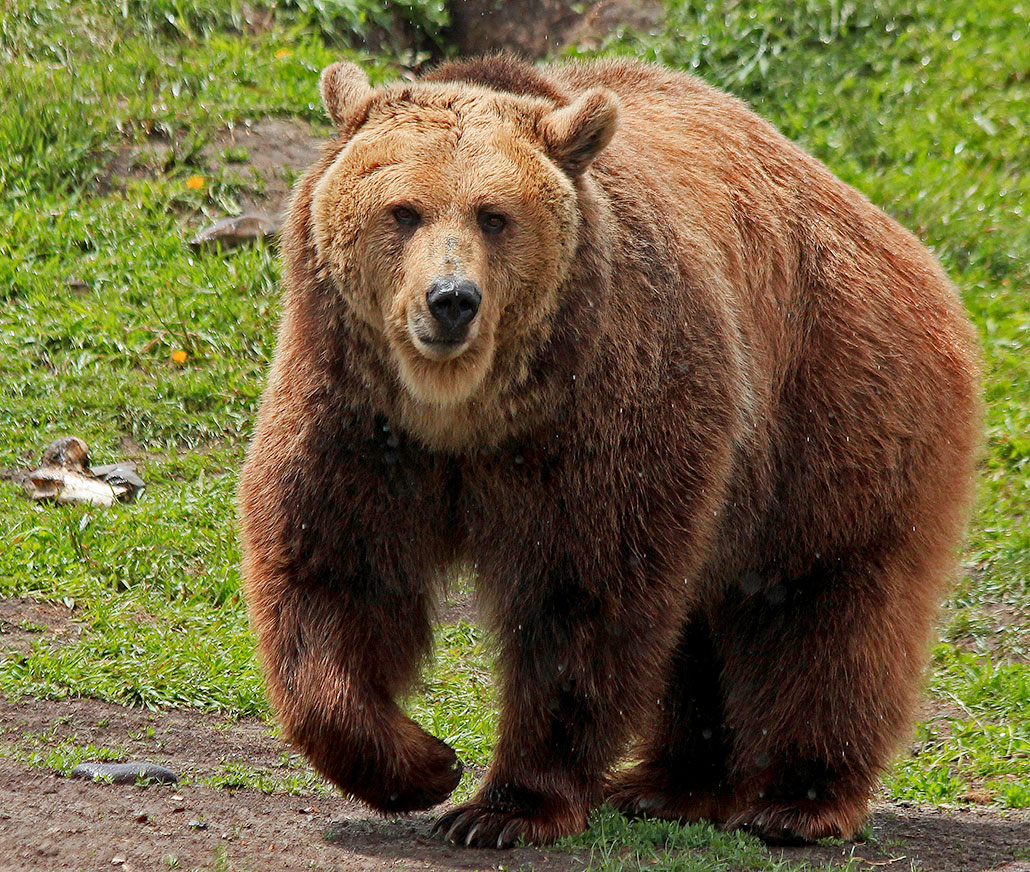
(439, 369)
(440, 349)
(439, 345)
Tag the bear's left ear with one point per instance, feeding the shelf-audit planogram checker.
(575, 134)
(344, 87)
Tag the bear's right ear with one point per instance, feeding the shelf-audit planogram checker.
(344, 87)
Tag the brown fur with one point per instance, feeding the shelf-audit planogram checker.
(708, 446)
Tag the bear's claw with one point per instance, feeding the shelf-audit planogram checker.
(475, 825)
(478, 827)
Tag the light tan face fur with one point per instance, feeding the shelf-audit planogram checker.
(415, 197)
(444, 182)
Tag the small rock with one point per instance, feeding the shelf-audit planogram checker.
(125, 773)
(197, 825)
(121, 475)
(68, 451)
(117, 861)
(142, 818)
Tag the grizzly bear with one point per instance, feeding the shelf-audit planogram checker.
(698, 417)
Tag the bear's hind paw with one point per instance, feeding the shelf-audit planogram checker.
(792, 824)
(640, 793)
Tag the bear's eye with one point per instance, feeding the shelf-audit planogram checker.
(406, 216)
(492, 222)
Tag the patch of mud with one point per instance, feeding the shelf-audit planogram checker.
(931, 839)
(24, 622)
(278, 151)
(189, 742)
(263, 158)
(50, 822)
(458, 606)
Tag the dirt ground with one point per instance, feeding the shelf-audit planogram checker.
(533, 28)
(52, 822)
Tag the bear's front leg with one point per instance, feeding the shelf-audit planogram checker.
(339, 571)
(333, 666)
(580, 664)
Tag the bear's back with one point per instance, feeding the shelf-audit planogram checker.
(850, 334)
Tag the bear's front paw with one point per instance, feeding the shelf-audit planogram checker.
(484, 825)
(431, 780)
(430, 775)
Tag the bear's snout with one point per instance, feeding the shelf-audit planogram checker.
(453, 303)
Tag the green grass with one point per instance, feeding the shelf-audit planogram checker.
(920, 105)
(614, 844)
(291, 777)
(40, 752)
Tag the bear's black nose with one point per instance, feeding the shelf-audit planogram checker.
(453, 303)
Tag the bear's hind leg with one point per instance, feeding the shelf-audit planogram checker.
(681, 774)
(820, 676)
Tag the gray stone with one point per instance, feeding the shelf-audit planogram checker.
(125, 773)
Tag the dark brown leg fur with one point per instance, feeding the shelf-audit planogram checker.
(340, 591)
(576, 671)
(815, 679)
(333, 676)
(820, 676)
(682, 773)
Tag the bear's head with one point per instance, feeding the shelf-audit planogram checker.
(449, 219)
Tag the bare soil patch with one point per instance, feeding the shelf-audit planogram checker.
(23, 622)
(51, 822)
(278, 150)
(458, 606)
(1006, 633)
(48, 821)
(933, 839)
(535, 28)
(271, 153)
